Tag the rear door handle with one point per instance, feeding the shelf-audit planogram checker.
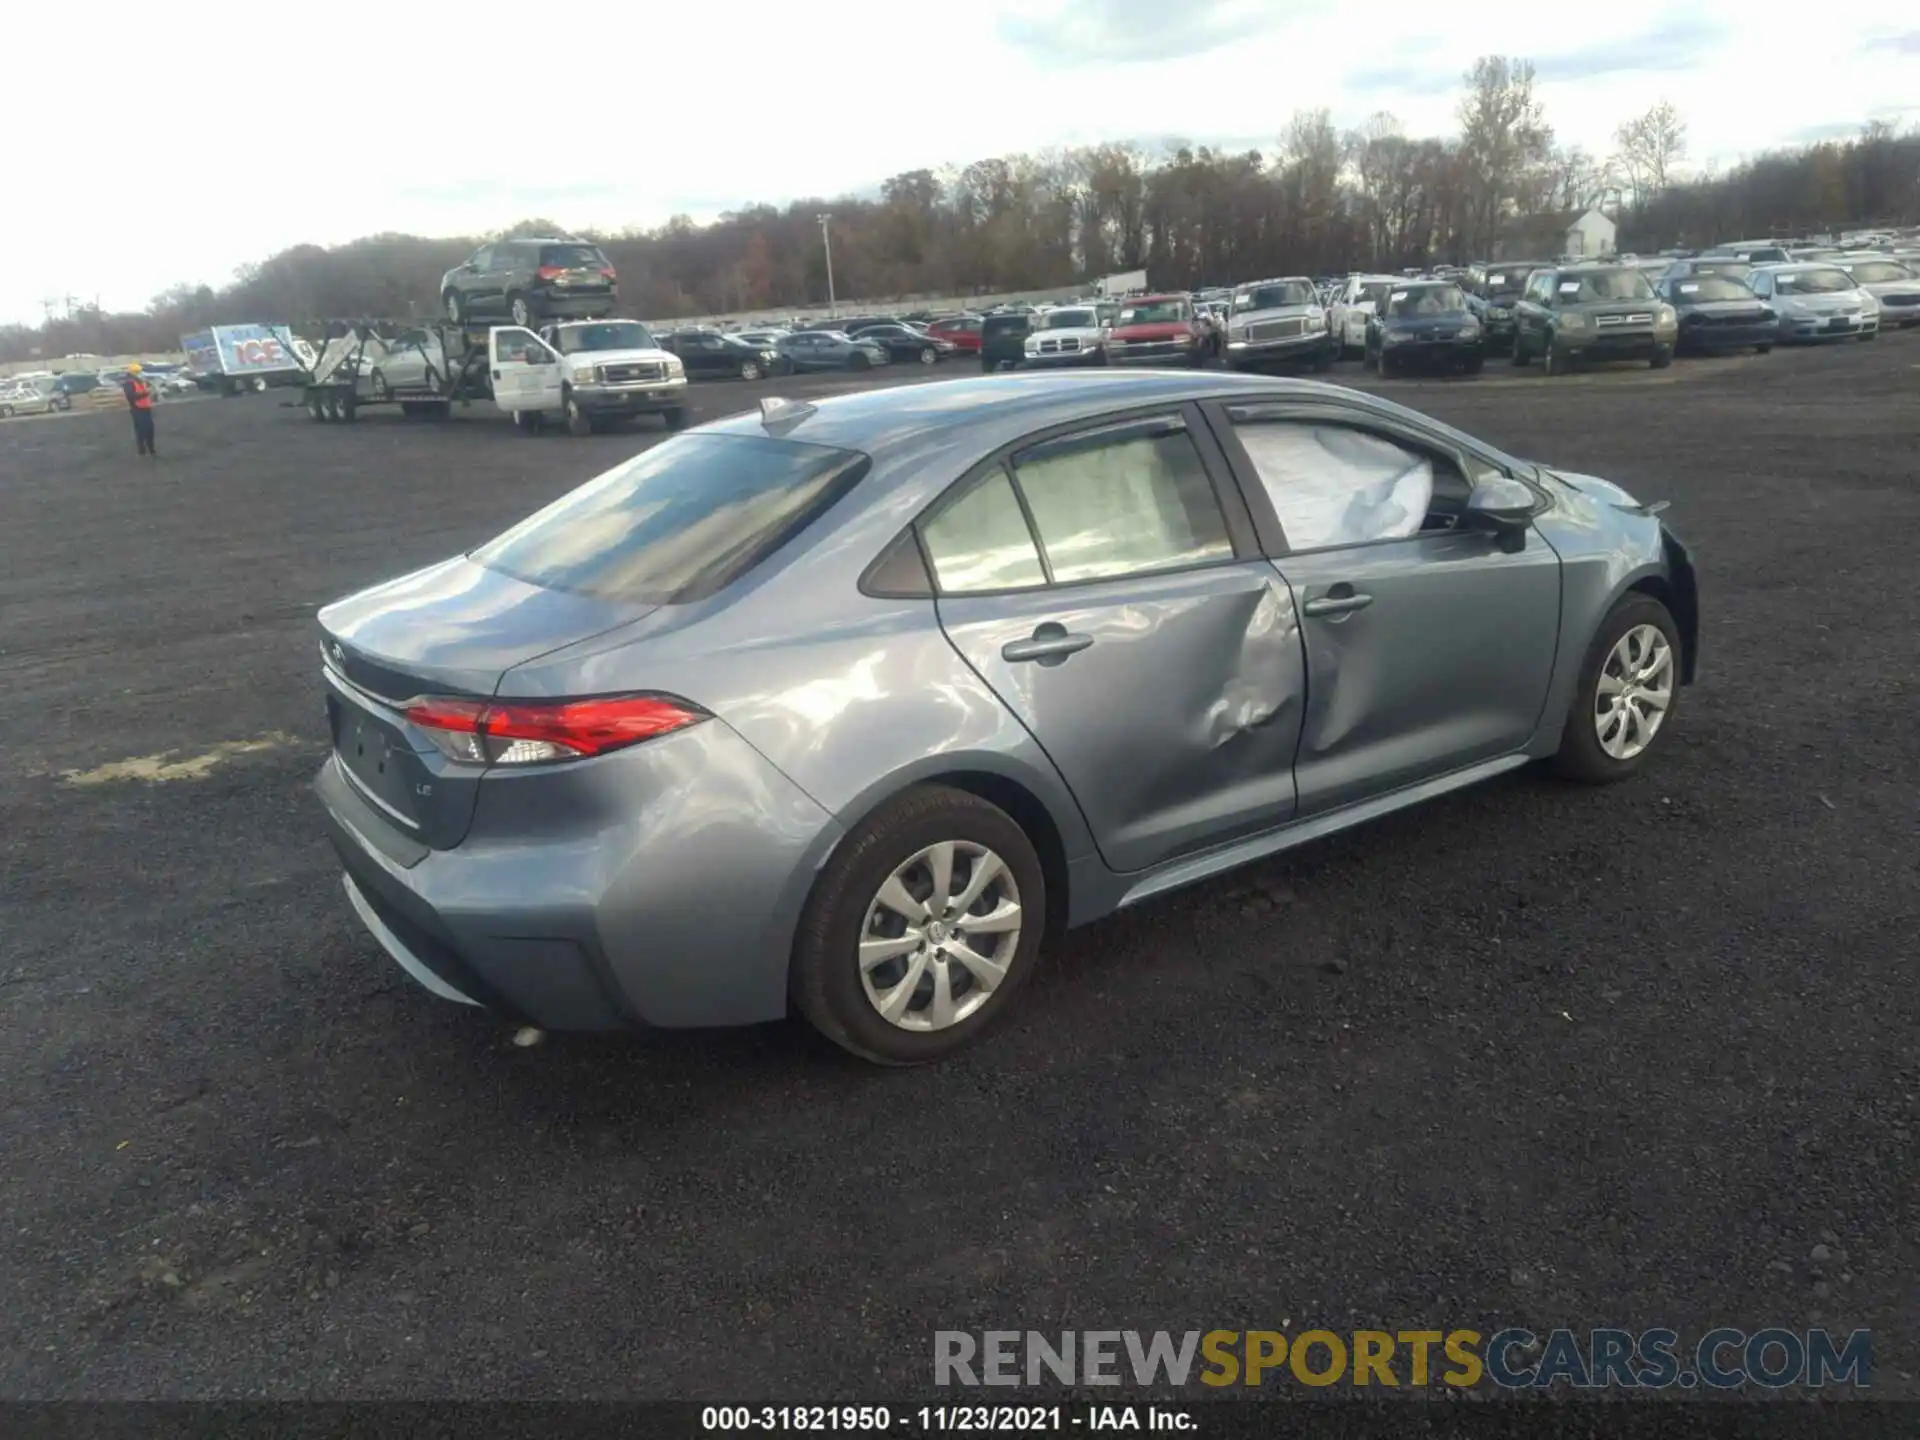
(1049, 645)
(1342, 603)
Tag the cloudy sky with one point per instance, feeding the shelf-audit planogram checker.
(200, 136)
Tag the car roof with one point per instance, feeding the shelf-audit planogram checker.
(983, 413)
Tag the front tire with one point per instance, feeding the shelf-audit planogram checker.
(749, 370)
(929, 355)
(676, 419)
(579, 421)
(1629, 690)
(1554, 362)
(1662, 358)
(921, 929)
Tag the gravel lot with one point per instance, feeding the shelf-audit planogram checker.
(1530, 1055)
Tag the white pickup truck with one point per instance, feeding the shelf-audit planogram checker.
(585, 373)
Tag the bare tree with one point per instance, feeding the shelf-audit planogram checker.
(1505, 140)
(1650, 146)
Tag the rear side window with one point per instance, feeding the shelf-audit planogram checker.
(981, 541)
(571, 257)
(1123, 503)
(678, 522)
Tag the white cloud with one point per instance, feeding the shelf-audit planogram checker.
(205, 136)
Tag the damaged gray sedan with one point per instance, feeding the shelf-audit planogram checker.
(842, 709)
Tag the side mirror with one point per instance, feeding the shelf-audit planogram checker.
(1500, 502)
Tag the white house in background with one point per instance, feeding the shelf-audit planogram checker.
(1590, 236)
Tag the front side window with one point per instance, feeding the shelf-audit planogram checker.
(1334, 485)
(677, 522)
(981, 541)
(1124, 503)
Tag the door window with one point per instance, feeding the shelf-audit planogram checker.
(482, 258)
(1334, 485)
(1122, 502)
(981, 541)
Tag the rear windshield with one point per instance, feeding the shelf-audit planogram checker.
(571, 257)
(1275, 297)
(679, 521)
(1005, 325)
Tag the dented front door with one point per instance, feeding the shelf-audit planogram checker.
(1171, 704)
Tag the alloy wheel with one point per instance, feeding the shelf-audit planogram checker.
(939, 936)
(1634, 692)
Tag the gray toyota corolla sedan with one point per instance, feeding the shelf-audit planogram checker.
(842, 708)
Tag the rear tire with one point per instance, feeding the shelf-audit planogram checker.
(827, 978)
(987, 367)
(520, 311)
(527, 422)
(1581, 756)
(455, 307)
(1475, 365)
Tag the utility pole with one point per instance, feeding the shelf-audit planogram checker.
(826, 238)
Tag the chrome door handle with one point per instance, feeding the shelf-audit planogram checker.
(1337, 604)
(1050, 644)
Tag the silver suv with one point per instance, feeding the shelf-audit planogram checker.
(1271, 321)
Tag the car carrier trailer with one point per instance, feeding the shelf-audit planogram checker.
(424, 369)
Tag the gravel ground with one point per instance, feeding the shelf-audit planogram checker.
(1530, 1055)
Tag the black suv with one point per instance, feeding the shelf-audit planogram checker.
(1003, 341)
(710, 355)
(526, 281)
(1593, 312)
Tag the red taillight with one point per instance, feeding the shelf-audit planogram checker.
(551, 272)
(606, 273)
(519, 732)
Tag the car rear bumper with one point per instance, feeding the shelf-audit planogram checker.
(658, 886)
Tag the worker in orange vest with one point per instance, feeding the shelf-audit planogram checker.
(140, 401)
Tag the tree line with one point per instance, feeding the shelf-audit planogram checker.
(1320, 201)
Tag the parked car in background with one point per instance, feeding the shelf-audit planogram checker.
(1577, 313)
(1895, 285)
(1817, 301)
(1709, 265)
(764, 339)
(1278, 321)
(1003, 339)
(831, 350)
(1499, 287)
(1359, 297)
(1158, 330)
(33, 395)
(710, 355)
(646, 759)
(1425, 324)
(960, 331)
(75, 382)
(526, 281)
(1069, 336)
(908, 342)
(1718, 314)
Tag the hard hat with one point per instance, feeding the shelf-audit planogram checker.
(134, 368)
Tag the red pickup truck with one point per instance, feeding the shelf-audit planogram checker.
(1160, 330)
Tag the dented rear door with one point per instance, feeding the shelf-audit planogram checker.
(1175, 725)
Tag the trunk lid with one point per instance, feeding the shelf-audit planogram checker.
(453, 629)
